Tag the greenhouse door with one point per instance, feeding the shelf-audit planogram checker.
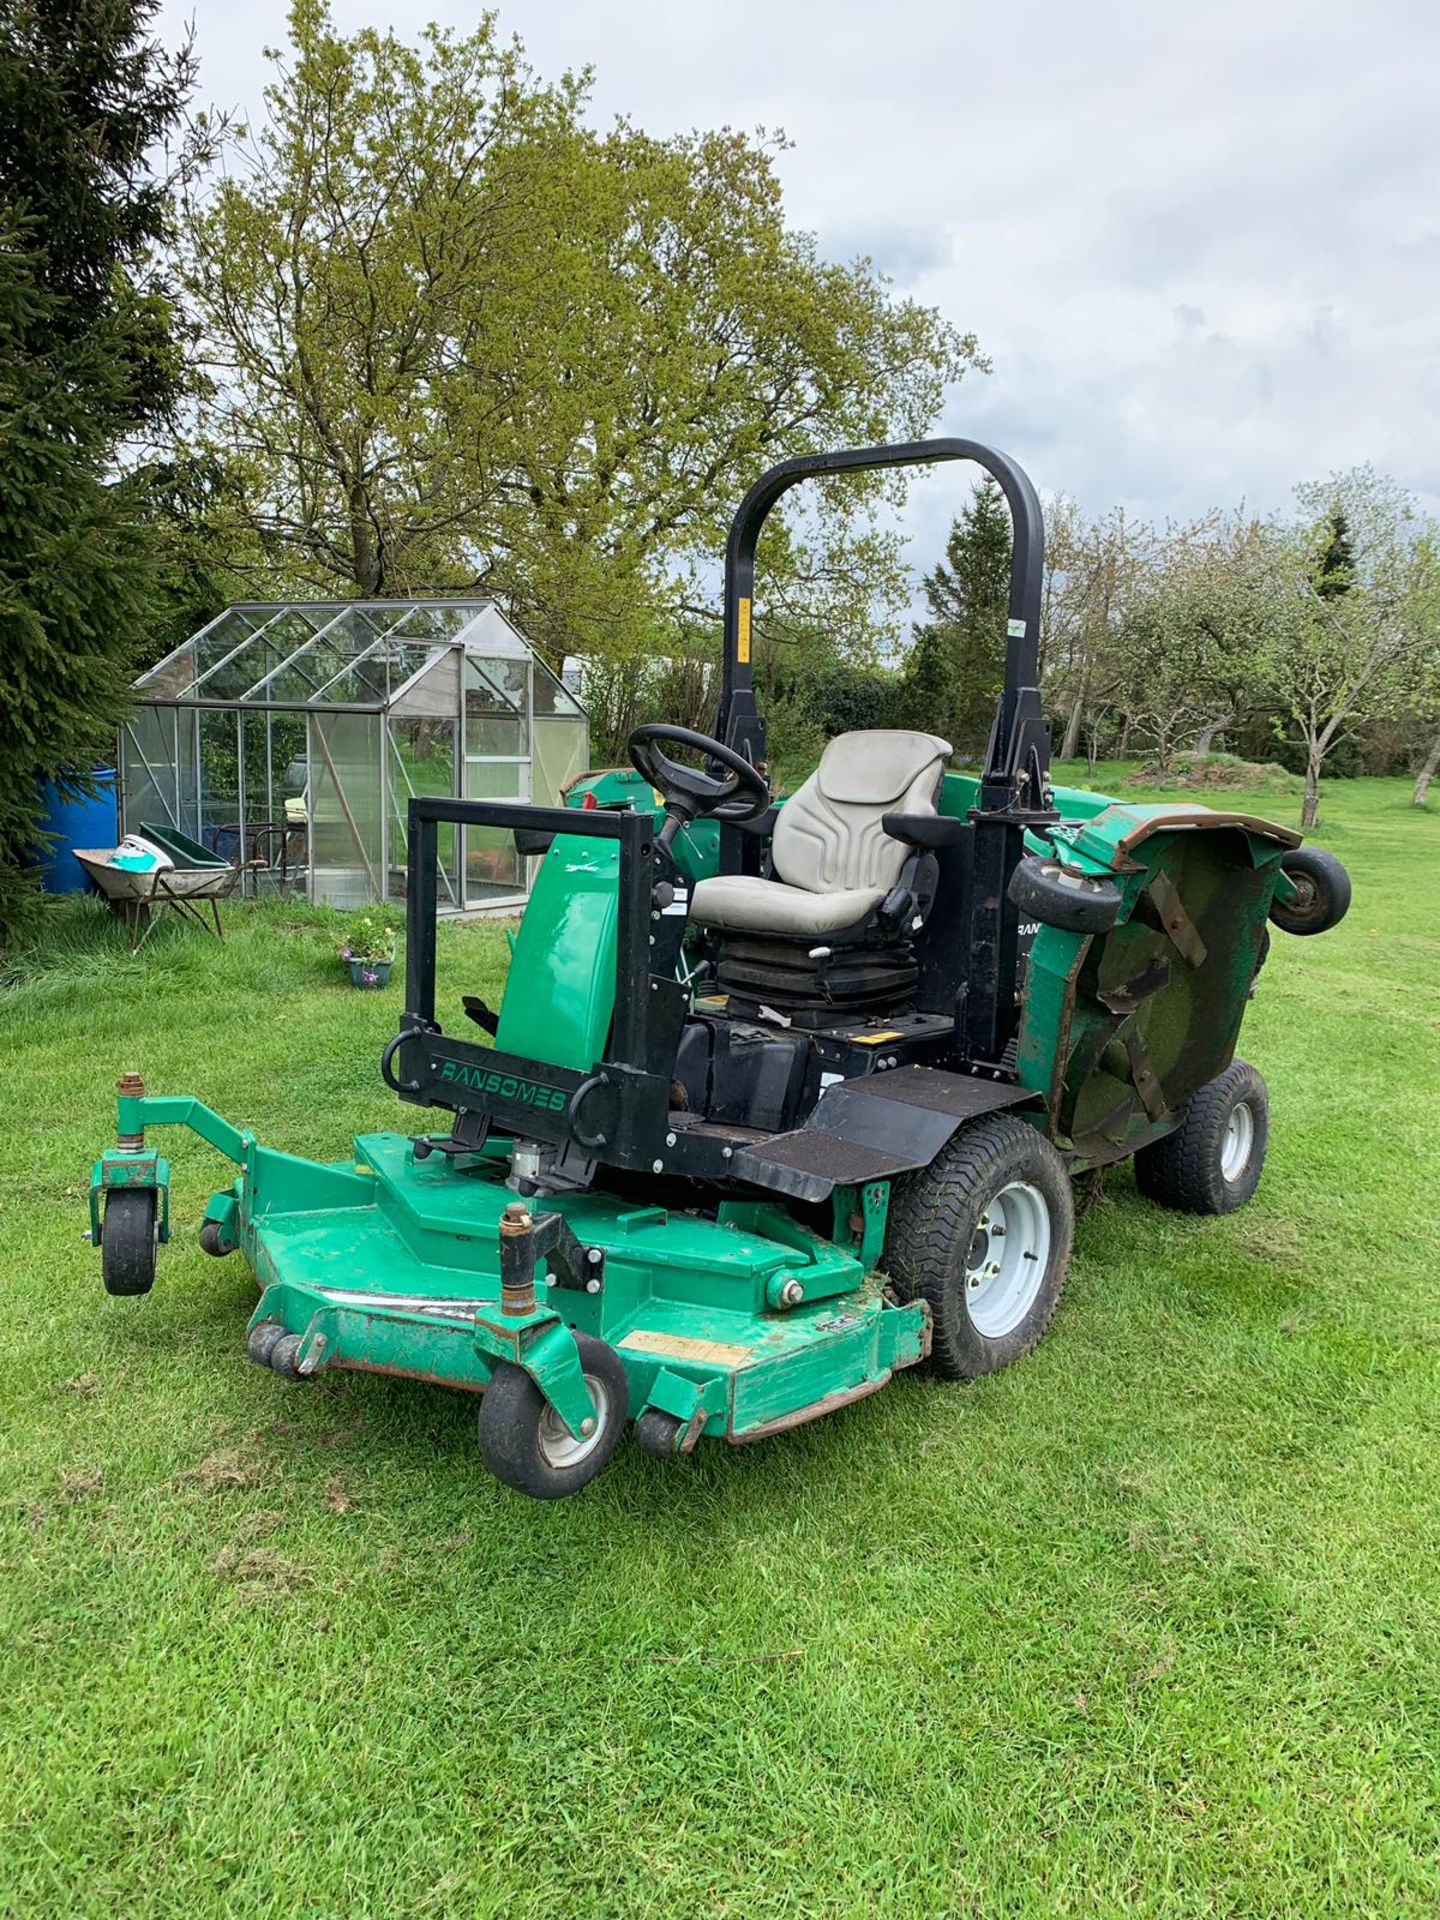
(497, 767)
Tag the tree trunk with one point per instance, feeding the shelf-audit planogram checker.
(1123, 744)
(1070, 745)
(1310, 806)
(1426, 773)
(1210, 733)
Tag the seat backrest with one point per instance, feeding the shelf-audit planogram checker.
(828, 834)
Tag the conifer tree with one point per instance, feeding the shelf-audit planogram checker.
(86, 361)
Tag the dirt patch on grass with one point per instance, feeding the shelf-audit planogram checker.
(227, 1470)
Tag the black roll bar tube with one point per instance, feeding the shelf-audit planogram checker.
(740, 724)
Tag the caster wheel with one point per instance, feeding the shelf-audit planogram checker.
(658, 1433)
(284, 1354)
(128, 1239)
(1324, 897)
(262, 1341)
(525, 1443)
(211, 1242)
(1046, 891)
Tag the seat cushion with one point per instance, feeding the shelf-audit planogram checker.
(744, 904)
(830, 833)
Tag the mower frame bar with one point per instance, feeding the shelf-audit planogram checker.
(635, 833)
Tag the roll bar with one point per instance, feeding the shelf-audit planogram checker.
(741, 726)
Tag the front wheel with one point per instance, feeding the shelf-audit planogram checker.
(526, 1444)
(984, 1235)
(1213, 1161)
(129, 1235)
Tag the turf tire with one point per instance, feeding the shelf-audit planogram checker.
(1186, 1171)
(513, 1425)
(128, 1238)
(1324, 898)
(932, 1230)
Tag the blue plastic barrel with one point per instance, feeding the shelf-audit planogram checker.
(75, 823)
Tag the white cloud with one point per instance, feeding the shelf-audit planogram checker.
(1200, 244)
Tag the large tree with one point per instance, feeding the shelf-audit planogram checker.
(86, 363)
(460, 338)
(956, 664)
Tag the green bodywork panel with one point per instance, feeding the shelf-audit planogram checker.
(697, 847)
(560, 991)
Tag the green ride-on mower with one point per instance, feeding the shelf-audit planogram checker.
(783, 1096)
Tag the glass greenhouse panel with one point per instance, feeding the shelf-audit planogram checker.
(149, 788)
(493, 869)
(346, 808)
(496, 707)
(220, 783)
(561, 751)
(422, 761)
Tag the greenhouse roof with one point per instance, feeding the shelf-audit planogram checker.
(376, 655)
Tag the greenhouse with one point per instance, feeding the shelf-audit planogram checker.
(291, 737)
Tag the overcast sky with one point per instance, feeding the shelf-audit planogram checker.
(1200, 242)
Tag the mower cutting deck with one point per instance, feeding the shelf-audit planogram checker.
(782, 1097)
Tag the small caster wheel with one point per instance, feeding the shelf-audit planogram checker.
(211, 1242)
(658, 1433)
(128, 1239)
(284, 1354)
(262, 1341)
(1053, 894)
(526, 1444)
(1323, 899)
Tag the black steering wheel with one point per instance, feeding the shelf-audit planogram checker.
(689, 794)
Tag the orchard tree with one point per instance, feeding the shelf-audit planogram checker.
(87, 363)
(1092, 570)
(461, 339)
(1354, 626)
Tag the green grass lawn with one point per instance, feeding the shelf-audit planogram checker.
(1149, 1624)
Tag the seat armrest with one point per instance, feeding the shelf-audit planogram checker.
(929, 830)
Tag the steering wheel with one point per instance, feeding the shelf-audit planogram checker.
(689, 793)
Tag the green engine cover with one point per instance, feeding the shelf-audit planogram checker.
(560, 993)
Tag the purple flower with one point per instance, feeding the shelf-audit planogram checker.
(368, 977)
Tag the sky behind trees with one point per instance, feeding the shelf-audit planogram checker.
(1201, 246)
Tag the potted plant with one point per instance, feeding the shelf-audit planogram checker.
(369, 951)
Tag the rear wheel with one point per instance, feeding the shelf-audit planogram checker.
(984, 1234)
(525, 1443)
(129, 1236)
(1213, 1161)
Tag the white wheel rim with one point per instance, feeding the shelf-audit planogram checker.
(558, 1446)
(1008, 1258)
(1239, 1142)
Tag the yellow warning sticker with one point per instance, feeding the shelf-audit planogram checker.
(679, 1346)
(875, 1039)
(742, 634)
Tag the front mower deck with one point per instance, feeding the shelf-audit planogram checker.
(391, 1264)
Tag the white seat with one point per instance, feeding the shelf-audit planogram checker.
(833, 860)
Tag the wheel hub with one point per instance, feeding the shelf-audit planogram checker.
(1238, 1143)
(1008, 1256)
(558, 1446)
